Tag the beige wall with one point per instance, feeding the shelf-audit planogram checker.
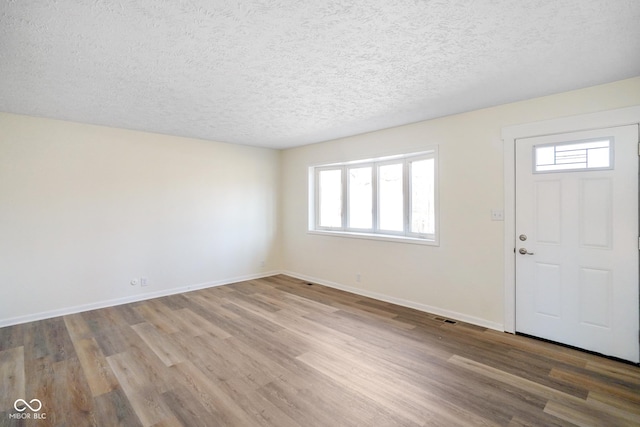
(463, 277)
(84, 209)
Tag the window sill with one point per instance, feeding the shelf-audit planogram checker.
(372, 236)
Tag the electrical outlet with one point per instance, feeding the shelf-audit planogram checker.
(144, 281)
(358, 277)
(497, 215)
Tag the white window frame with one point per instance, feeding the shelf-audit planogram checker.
(375, 232)
(316, 193)
(374, 213)
(585, 168)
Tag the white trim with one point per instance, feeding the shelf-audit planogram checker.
(136, 298)
(399, 301)
(381, 157)
(371, 236)
(583, 122)
(375, 232)
(126, 300)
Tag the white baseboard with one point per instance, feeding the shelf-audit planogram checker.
(399, 301)
(129, 299)
(165, 292)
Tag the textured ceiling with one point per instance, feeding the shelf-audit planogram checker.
(281, 73)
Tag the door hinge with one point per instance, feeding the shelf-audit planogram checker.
(638, 243)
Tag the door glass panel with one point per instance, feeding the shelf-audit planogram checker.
(573, 156)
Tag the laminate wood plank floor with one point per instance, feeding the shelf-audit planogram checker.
(279, 352)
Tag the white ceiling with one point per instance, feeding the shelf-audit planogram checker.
(282, 73)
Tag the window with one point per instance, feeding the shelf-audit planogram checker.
(571, 156)
(330, 198)
(388, 198)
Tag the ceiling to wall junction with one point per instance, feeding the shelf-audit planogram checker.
(283, 73)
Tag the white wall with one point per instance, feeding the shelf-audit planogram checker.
(84, 209)
(463, 277)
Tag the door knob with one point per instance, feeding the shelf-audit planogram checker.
(523, 251)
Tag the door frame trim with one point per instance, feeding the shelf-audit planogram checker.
(510, 134)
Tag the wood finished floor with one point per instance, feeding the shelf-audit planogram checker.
(276, 352)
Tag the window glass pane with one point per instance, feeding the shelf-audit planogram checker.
(598, 158)
(573, 156)
(391, 199)
(422, 197)
(330, 198)
(545, 155)
(384, 198)
(360, 198)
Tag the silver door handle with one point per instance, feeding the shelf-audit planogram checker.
(523, 251)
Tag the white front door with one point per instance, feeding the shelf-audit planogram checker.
(577, 239)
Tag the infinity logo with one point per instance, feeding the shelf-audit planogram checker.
(24, 402)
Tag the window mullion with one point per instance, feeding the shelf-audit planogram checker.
(317, 198)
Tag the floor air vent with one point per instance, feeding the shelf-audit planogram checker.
(441, 319)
